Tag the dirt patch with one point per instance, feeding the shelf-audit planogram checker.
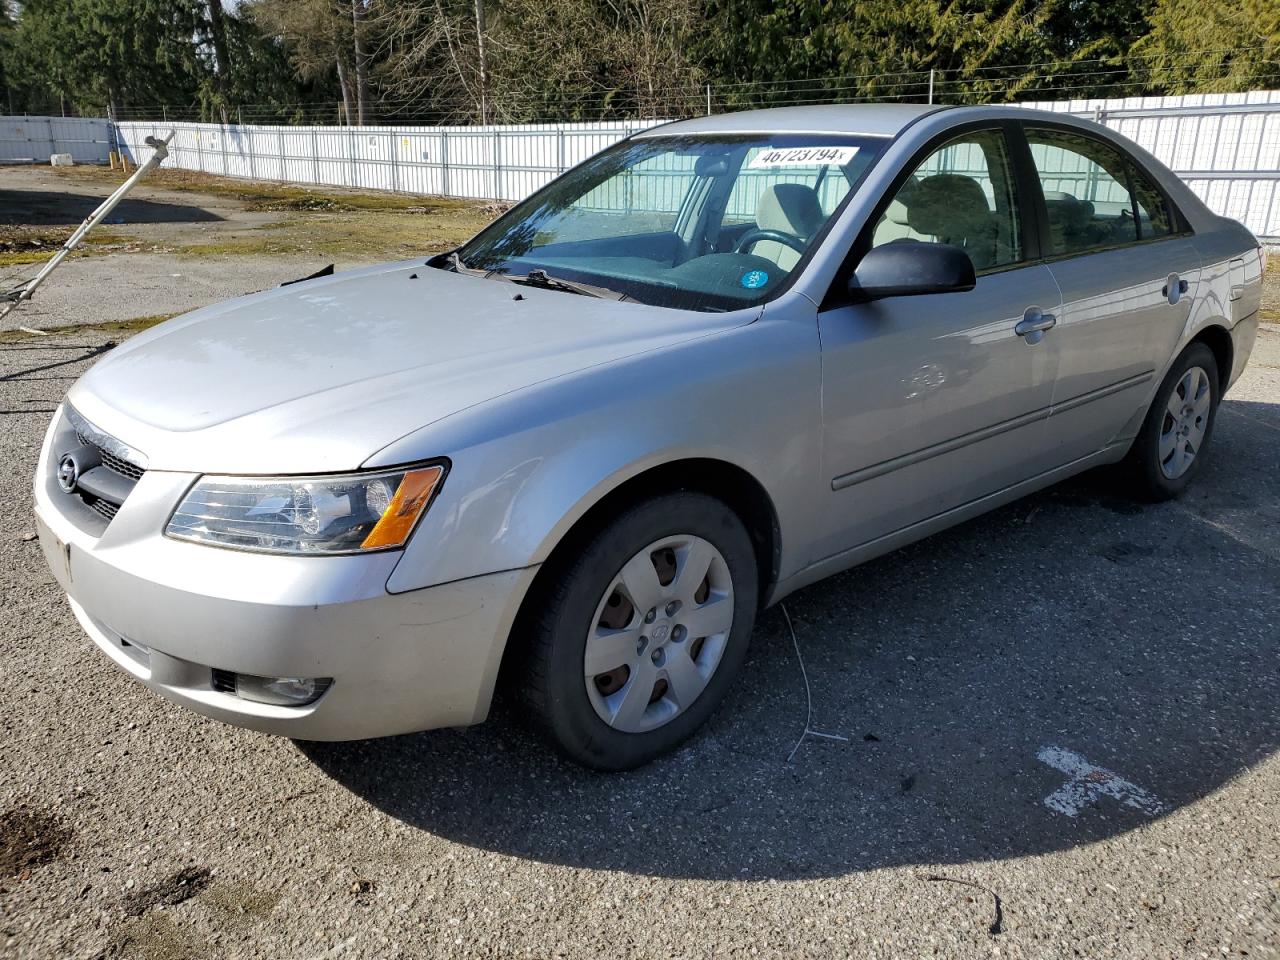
(240, 904)
(28, 839)
(125, 327)
(1270, 312)
(153, 937)
(174, 889)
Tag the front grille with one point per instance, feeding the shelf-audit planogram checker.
(107, 470)
(224, 681)
(116, 464)
(104, 507)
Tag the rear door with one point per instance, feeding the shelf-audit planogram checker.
(1128, 272)
(930, 402)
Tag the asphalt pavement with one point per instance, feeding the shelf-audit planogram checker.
(1062, 721)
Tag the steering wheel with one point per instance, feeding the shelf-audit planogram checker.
(752, 237)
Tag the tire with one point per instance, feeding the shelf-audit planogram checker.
(604, 720)
(1155, 472)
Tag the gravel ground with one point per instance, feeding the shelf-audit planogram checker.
(1143, 639)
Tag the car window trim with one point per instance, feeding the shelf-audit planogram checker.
(1183, 230)
(837, 293)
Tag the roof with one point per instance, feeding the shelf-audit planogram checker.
(875, 119)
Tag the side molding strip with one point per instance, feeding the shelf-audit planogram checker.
(985, 433)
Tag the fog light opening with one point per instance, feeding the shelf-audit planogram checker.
(277, 691)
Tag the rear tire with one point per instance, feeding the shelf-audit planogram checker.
(669, 590)
(1171, 446)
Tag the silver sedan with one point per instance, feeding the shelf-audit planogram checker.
(714, 363)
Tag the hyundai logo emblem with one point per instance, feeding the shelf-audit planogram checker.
(68, 473)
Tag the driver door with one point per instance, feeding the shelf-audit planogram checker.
(931, 402)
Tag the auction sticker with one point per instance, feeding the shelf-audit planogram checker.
(802, 157)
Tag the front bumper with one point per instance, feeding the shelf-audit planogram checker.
(170, 613)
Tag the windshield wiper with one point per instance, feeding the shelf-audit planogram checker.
(456, 264)
(535, 278)
(540, 278)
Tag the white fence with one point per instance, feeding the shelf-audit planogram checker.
(495, 162)
(33, 139)
(1226, 146)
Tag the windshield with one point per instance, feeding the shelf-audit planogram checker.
(695, 222)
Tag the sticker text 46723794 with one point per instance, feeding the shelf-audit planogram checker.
(802, 157)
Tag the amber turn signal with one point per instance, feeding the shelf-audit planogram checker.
(408, 504)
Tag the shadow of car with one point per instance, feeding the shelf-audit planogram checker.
(1143, 638)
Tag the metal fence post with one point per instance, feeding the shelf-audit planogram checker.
(559, 149)
(351, 157)
(248, 141)
(315, 157)
(497, 164)
(395, 160)
(444, 163)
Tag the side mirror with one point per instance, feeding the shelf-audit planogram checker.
(909, 268)
(711, 165)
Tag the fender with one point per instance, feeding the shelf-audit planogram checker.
(528, 465)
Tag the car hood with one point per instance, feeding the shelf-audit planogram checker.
(320, 375)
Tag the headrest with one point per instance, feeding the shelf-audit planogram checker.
(897, 212)
(946, 205)
(1067, 209)
(790, 207)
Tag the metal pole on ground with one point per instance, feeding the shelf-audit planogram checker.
(14, 298)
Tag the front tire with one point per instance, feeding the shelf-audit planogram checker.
(1171, 446)
(641, 633)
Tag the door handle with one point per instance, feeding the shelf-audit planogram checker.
(1034, 323)
(1174, 288)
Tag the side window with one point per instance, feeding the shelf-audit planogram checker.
(1094, 196)
(962, 194)
(1155, 219)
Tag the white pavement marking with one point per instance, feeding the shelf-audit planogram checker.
(1089, 782)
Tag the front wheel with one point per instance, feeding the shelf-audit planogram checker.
(1171, 445)
(642, 633)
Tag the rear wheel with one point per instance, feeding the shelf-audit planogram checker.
(1171, 445)
(643, 632)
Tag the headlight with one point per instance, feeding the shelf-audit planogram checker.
(307, 515)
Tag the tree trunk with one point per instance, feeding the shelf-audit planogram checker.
(221, 58)
(361, 61)
(344, 81)
(482, 62)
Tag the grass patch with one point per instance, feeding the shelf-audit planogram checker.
(273, 195)
(21, 245)
(127, 327)
(383, 236)
(338, 225)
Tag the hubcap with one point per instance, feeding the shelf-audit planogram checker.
(659, 633)
(1186, 418)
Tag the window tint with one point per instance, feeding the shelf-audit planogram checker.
(1155, 219)
(1095, 197)
(962, 194)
